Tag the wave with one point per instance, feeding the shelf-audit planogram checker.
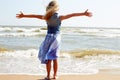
(36, 31)
(93, 32)
(63, 54)
(3, 50)
(87, 62)
(24, 34)
(104, 32)
(20, 31)
(91, 52)
(20, 53)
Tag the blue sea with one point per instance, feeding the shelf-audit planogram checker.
(83, 50)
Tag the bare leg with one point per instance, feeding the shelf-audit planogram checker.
(55, 68)
(48, 68)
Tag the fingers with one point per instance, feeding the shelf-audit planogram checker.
(86, 11)
(19, 15)
(90, 14)
(21, 12)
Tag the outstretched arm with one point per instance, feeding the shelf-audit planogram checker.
(86, 13)
(21, 15)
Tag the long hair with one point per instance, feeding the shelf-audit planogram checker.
(51, 9)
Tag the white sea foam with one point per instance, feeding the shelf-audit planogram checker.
(27, 54)
(20, 31)
(20, 34)
(26, 62)
(17, 29)
(35, 31)
(20, 53)
(68, 54)
(96, 32)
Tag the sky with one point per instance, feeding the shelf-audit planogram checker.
(106, 13)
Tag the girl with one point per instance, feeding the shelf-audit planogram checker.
(49, 48)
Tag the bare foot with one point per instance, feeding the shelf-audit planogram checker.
(47, 78)
(55, 78)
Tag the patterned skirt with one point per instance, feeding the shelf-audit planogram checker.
(49, 48)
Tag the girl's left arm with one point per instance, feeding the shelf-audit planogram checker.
(21, 15)
(86, 13)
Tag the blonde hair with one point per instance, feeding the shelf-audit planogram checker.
(51, 9)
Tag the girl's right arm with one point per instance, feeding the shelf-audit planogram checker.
(21, 15)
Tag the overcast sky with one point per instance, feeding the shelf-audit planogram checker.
(106, 13)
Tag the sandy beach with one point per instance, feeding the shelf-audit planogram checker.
(104, 74)
(63, 77)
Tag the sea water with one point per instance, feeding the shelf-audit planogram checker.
(19, 47)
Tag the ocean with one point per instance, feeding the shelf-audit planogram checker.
(83, 50)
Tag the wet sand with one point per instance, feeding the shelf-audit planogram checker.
(99, 76)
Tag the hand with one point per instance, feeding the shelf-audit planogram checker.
(86, 13)
(20, 15)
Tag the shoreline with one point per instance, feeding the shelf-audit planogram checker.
(104, 74)
(62, 77)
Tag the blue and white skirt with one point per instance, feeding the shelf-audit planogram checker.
(49, 48)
